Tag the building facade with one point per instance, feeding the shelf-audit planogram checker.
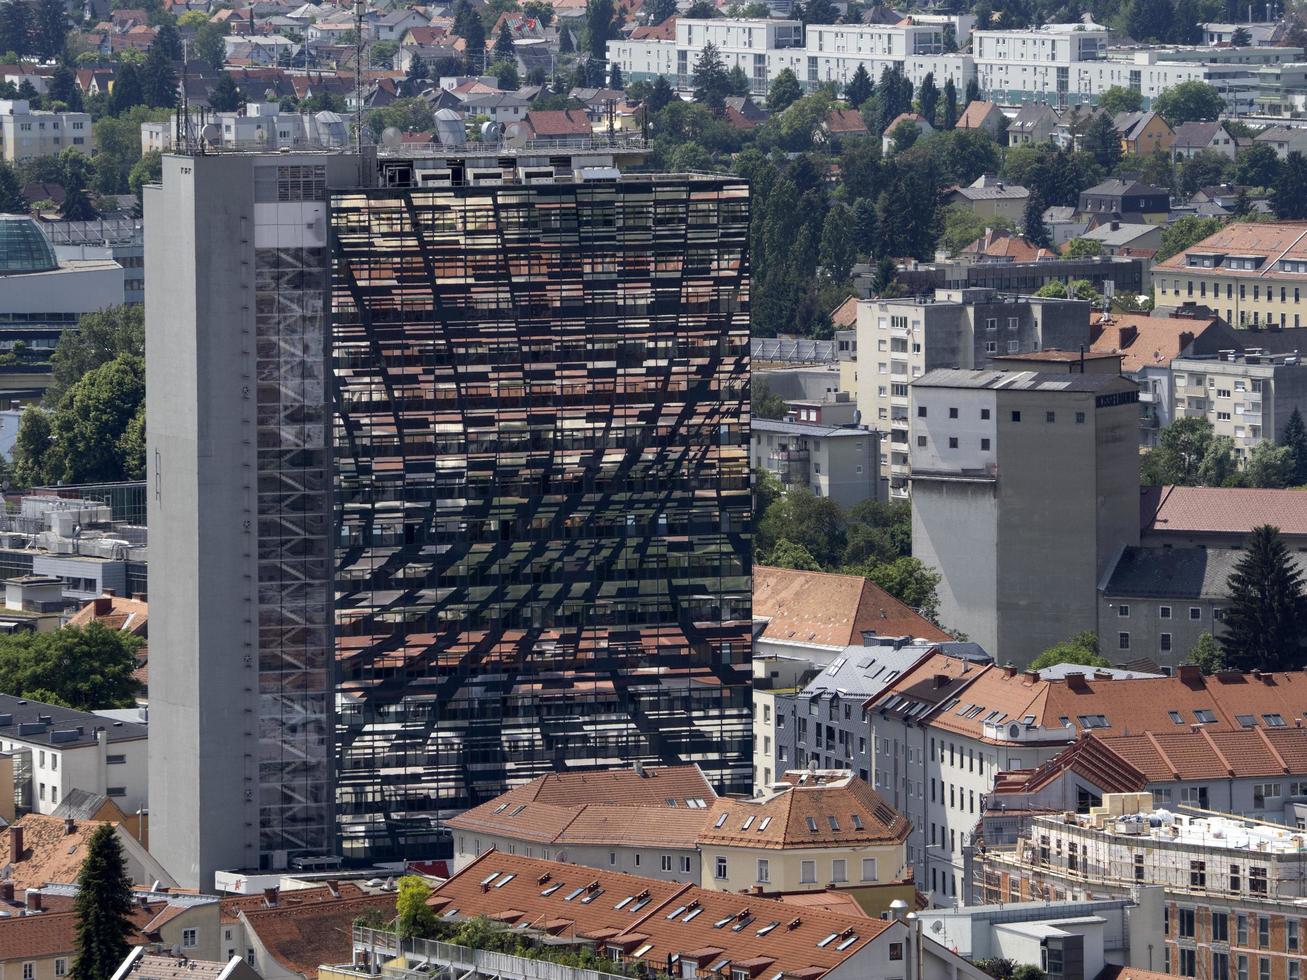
(27, 133)
(492, 451)
(1024, 488)
(835, 461)
(1247, 395)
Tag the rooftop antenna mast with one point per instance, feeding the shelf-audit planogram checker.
(359, 7)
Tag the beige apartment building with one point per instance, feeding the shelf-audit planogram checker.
(1247, 395)
(27, 133)
(1251, 274)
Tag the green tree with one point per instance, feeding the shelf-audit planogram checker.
(1206, 654)
(1118, 98)
(98, 338)
(225, 97)
(90, 423)
(838, 253)
(16, 27)
(168, 41)
(904, 135)
(11, 191)
(77, 175)
(711, 81)
(127, 91)
(506, 75)
(815, 522)
(147, 170)
(659, 10)
(1270, 465)
(159, 78)
(1102, 141)
(1240, 38)
(1267, 616)
(63, 88)
(1289, 195)
(504, 46)
(766, 404)
(766, 491)
(413, 916)
(960, 226)
(819, 12)
(87, 668)
(209, 44)
(1204, 168)
(1080, 649)
(417, 70)
(32, 448)
(784, 91)
(1294, 437)
(950, 104)
(738, 81)
(909, 581)
(928, 97)
(886, 275)
(1082, 248)
(1257, 166)
(1181, 448)
(661, 94)
(1051, 290)
(1189, 230)
(787, 554)
(1148, 21)
(1033, 226)
(104, 908)
(599, 28)
(1187, 102)
(858, 90)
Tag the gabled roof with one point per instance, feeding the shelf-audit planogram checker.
(1176, 572)
(50, 852)
(547, 123)
(1031, 115)
(1146, 341)
(1131, 125)
(846, 121)
(302, 938)
(666, 31)
(1221, 510)
(115, 613)
(831, 609)
(1088, 757)
(845, 315)
(976, 113)
(913, 117)
(1203, 754)
(812, 812)
(1196, 135)
(653, 921)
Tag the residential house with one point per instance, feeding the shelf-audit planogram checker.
(840, 124)
(1033, 123)
(290, 942)
(913, 119)
(143, 965)
(989, 197)
(1000, 245)
(565, 127)
(1064, 224)
(743, 113)
(1142, 133)
(1284, 139)
(1247, 395)
(1072, 124)
(1131, 199)
(1117, 237)
(982, 115)
(27, 133)
(839, 460)
(393, 26)
(41, 849)
(1192, 138)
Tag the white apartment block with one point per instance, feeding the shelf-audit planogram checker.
(27, 133)
(1063, 64)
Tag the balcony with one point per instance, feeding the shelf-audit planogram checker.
(790, 466)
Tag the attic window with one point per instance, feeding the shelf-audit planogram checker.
(1274, 721)
(571, 895)
(592, 896)
(834, 823)
(720, 820)
(768, 928)
(674, 913)
(488, 880)
(857, 821)
(848, 942)
(762, 824)
(505, 880)
(1030, 720)
(828, 940)
(670, 801)
(1093, 721)
(1247, 721)
(643, 949)
(891, 675)
(692, 913)
(812, 825)
(642, 903)
(520, 808)
(501, 808)
(627, 901)
(748, 822)
(451, 913)
(720, 965)
(965, 708)
(722, 923)
(745, 919)
(553, 888)
(1205, 716)
(1175, 717)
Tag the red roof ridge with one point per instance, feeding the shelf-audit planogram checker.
(1161, 753)
(1275, 754)
(1211, 744)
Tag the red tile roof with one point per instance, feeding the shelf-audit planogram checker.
(305, 937)
(559, 122)
(115, 613)
(1273, 240)
(666, 31)
(845, 316)
(844, 121)
(1214, 754)
(1145, 341)
(1089, 757)
(620, 786)
(1221, 510)
(975, 114)
(1001, 244)
(831, 609)
(658, 919)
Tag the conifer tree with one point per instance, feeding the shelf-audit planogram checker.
(1295, 438)
(1267, 615)
(103, 906)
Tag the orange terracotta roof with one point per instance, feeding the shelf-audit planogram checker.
(653, 920)
(50, 853)
(654, 785)
(845, 121)
(831, 609)
(1089, 757)
(1221, 510)
(302, 938)
(559, 122)
(1145, 341)
(115, 613)
(1214, 754)
(845, 315)
(828, 900)
(845, 812)
(1273, 240)
(233, 905)
(666, 31)
(1001, 244)
(975, 114)
(55, 932)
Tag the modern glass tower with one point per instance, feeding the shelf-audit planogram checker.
(449, 487)
(542, 489)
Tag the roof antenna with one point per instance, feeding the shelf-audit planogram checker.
(359, 7)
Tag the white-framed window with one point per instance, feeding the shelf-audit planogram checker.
(764, 870)
(720, 869)
(667, 862)
(868, 869)
(685, 864)
(61, 968)
(29, 971)
(808, 872)
(839, 870)
(190, 938)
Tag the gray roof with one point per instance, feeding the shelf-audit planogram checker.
(46, 724)
(1176, 573)
(1196, 133)
(1016, 380)
(1125, 232)
(783, 349)
(80, 805)
(1289, 340)
(864, 672)
(807, 429)
(1062, 671)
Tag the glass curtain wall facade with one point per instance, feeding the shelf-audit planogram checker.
(542, 490)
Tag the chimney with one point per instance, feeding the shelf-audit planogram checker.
(109, 592)
(15, 844)
(941, 680)
(34, 900)
(103, 605)
(270, 896)
(1009, 670)
(1077, 682)
(6, 891)
(70, 826)
(333, 886)
(638, 767)
(1190, 674)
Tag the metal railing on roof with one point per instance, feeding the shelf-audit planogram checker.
(431, 952)
(597, 143)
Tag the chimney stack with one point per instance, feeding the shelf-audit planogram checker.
(15, 844)
(270, 896)
(70, 826)
(6, 891)
(1190, 674)
(34, 900)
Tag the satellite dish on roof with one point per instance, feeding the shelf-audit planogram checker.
(211, 134)
(391, 136)
(491, 131)
(516, 134)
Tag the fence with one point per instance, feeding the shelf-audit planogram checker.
(423, 952)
